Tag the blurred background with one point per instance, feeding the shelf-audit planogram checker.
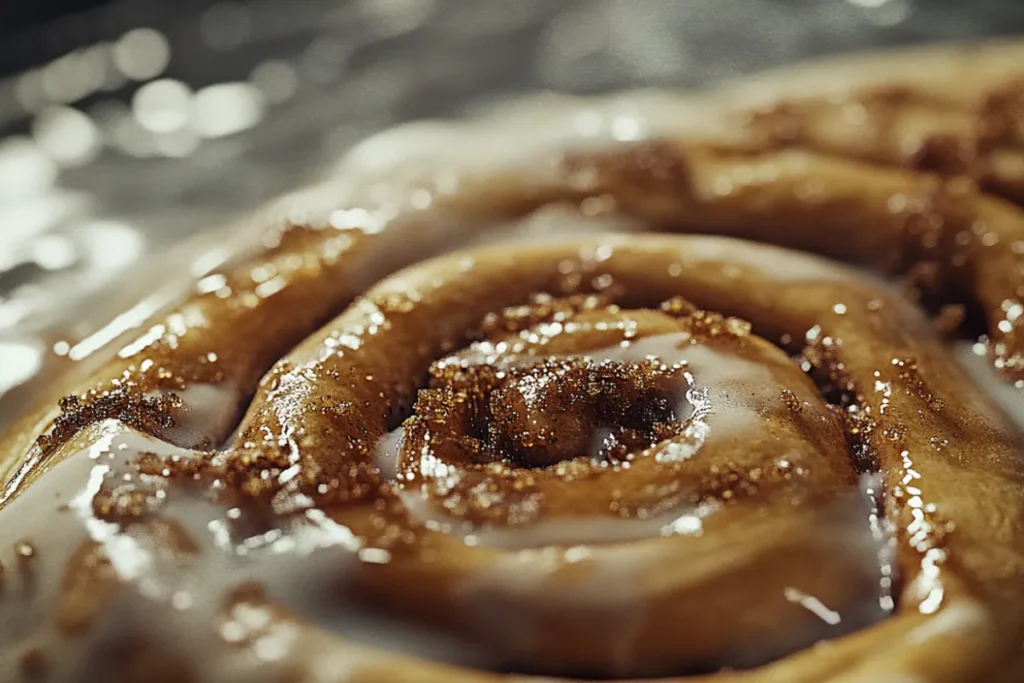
(126, 127)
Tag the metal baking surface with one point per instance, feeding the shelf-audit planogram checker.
(141, 124)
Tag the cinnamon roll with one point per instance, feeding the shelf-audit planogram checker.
(580, 410)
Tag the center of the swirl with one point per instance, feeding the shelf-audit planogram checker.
(554, 409)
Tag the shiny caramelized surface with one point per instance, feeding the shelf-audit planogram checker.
(563, 452)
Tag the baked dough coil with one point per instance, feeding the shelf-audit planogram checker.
(611, 413)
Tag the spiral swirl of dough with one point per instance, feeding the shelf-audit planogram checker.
(607, 412)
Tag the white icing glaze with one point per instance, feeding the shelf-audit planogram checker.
(607, 575)
(386, 454)
(207, 412)
(561, 532)
(177, 599)
(733, 389)
(55, 518)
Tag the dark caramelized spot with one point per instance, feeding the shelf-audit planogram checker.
(547, 412)
(821, 360)
(860, 427)
(939, 238)
(550, 412)
(33, 664)
(945, 153)
(1000, 116)
(150, 660)
(950, 319)
(941, 152)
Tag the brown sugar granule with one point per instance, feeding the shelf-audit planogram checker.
(704, 325)
(568, 416)
(791, 401)
(128, 405)
(915, 383)
(550, 413)
(729, 483)
(939, 236)
(546, 413)
(819, 359)
(541, 308)
(123, 505)
(861, 427)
